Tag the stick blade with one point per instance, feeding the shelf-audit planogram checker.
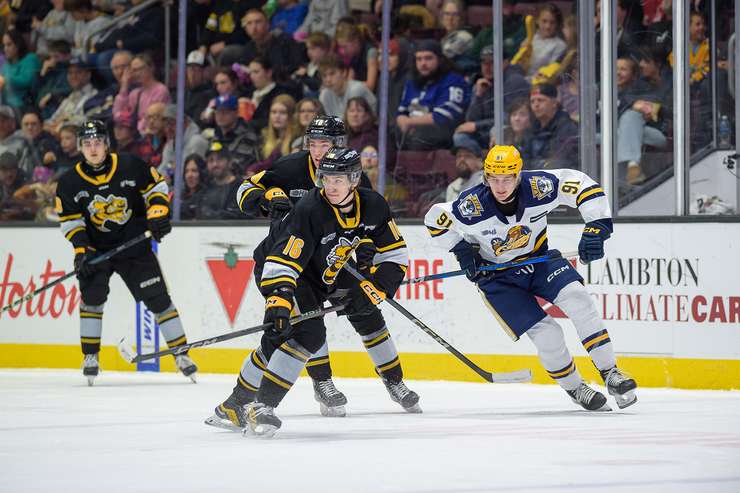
(519, 376)
(126, 351)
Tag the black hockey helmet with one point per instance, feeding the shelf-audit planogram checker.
(340, 161)
(326, 127)
(92, 129)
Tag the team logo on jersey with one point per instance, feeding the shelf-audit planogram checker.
(541, 187)
(338, 256)
(470, 206)
(298, 192)
(111, 208)
(516, 237)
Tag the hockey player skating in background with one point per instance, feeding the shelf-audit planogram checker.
(299, 266)
(272, 193)
(104, 201)
(506, 217)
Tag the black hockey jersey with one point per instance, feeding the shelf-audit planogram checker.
(315, 240)
(294, 174)
(106, 208)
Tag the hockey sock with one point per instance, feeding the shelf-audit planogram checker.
(318, 366)
(382, 351)
(579, 307)
(282, 371)
(250, 376)
(171, 327)
(547, 336)
(91, 327)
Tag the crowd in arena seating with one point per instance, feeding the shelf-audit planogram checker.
(258, 71)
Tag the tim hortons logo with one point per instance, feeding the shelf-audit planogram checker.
(231, 276)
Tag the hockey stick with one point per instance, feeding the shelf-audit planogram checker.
(505, 265)
(100, 258)
(510, 377)
(127, 352)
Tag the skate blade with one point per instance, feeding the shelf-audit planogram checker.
(192, 378)
(415, 409)
(217, 422)
(626, 399)
(332, 412)
(90, 381)
(260, 431)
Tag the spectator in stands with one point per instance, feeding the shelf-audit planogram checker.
(399, 60)
(264, 90)
(89, 20)
(152, 143)
(20, 72)
(278, 135)
(285, 54)
(514, 32)
(546, 46)
(233, 134)
(53, 85)
(198, 89)
(226, 83)
(322, 17)
(553, 142)
(194, 142)
(68, 154)
(640, 120)
(479, 118)
(469, 166)
(219, 197)
(289, 16)
(358, 54)
(195, 176)
(362, 130)
(72, 107)
(308, 76)
(457, 41)
(519, 127)
(42, 145)
(394, 193)
(338, 89)
(57, 25)
(222, 28)
(13, 142)
(655, 71)
(148, 91)
(22, 13)
(125, 133)
(433, 103)
(629, 30)
(11, 180)
(100, 106)
(306, 110)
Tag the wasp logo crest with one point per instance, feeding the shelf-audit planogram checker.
(111, 208)
(338, 256)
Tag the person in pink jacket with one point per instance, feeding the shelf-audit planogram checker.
(147, 90)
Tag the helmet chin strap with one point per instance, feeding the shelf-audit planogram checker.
(344, 202)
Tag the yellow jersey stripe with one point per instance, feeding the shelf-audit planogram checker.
(281, 260)
(317, 362)
(167, 316)
(380, 337)
(276, 380)
(69, 217)
(587, 194)
(74, 232)
(392, 246)
(594, 341)
(270, 282)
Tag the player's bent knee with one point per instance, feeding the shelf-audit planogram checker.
(158, 303)
(547, 335)
(94, 297)
(367, 323)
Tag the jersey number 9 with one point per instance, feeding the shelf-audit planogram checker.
(443, 221)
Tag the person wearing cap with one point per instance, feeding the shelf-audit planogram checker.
(479, 118)
(231, 131)
(195, 143)
(469, 166)
(504, 219)
(433, 103)
(72, 107)
(198, 89)
(337, 88)
(218, 197)
(553, 142)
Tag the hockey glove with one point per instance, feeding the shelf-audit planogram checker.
(591, 246)
(469, 260)
(276, 203)
(83, 267)
(277, 311)
(158, 221)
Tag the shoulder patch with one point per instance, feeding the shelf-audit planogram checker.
(470, 206)
(541, 186)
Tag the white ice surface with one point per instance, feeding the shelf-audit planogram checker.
(145, 433)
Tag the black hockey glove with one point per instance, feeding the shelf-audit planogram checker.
(469, 261)
(83, 267)
(591, 246)
(276, 203)
(277, 311)
(158, 221)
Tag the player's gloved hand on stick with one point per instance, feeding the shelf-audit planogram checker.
(158, 221)
(591, 246)
(276, 203)
(82, 264)
(277, 311)
(469, 260)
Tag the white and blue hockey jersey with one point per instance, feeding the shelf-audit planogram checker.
(446, 99)
(474, 217)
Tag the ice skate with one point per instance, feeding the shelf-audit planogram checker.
(90, 368)
(401, 394)
(620, 386)
(229, 415)
(331, 401)
(262, 420)
(186, 366)
(588, 398)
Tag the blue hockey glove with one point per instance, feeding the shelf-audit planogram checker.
(591, 246)
(469, 260)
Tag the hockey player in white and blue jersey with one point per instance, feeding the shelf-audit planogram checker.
(505, 219)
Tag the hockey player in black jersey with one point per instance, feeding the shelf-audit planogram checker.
(299, 266)
(104, 201)
(272, 193)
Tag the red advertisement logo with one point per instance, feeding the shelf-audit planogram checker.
(231, 277)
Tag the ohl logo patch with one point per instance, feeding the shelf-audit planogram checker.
(231, 276)
(111, 208)
(516, 237)
(338, 256)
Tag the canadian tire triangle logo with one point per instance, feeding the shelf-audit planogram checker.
(231, 277)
